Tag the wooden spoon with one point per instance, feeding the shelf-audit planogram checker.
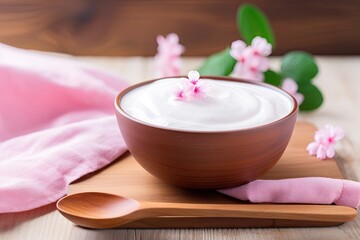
(103, 210)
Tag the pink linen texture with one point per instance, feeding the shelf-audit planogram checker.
(309, 190)
(57, 124)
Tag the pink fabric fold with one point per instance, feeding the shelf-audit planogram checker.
(57, 124)
(311, 190)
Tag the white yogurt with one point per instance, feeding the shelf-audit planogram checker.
(225, 105)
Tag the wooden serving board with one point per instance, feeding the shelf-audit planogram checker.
(127, 178)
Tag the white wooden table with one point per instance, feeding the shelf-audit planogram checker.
(339, 79)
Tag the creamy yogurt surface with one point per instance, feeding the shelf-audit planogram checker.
(224, 105)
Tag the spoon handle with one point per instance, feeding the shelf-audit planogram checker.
(269, 211)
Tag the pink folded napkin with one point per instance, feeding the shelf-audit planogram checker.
(312, 190)
(57, 123)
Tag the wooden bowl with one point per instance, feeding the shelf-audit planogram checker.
(206, 160)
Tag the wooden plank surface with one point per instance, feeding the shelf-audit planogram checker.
(340, 84)
(129, 27)
(127, 178)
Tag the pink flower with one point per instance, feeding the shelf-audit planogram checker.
(167, 60)
(325, 140)
(290, 86)
(192, 88)
(252, 61)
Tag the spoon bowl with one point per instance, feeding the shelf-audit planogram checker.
(93, 205)
(97, 210)
(104, 210)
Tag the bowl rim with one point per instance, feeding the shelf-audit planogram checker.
(221, 78)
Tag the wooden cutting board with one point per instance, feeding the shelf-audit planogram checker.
(127, 178)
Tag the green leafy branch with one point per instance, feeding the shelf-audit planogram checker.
(298, 65)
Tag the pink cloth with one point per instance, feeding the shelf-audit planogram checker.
(312, 190)
(57, 123)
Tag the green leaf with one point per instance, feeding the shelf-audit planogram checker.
(299, 66)
(312, 97)
(218, 64)
(252, 22)
(273, 78)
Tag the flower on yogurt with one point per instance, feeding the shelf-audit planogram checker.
(196, 88)
(252, 60)
(168, 57)
(290, 86)
(192, 87)
(325, 139)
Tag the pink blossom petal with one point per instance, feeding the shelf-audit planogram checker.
(330, 151)
(197, 92)
(237, 71)
(299, 98)
(193, 75)
(261, 46)
(321, 135)
(252, 75)
(180, 94)
(258, 77)
(321, 152)
(172, 38)
(177, 63)
(329, 134)
(312, 148)
(178, 50)
(243, 71)
(238, 44)
(264, 64)
(248, 53)
(237, 48)
(335, 132)
(258, 64)
(160, 39)
(290, 86)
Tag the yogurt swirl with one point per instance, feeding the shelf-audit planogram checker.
(226, 105)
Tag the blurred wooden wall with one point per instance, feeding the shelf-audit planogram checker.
(129, 27)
